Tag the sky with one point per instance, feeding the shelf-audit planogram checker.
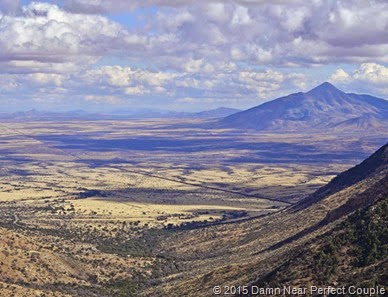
(101, 55)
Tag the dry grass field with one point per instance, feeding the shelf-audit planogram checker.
(82, 202)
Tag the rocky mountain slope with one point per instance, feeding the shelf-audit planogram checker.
(353, 254)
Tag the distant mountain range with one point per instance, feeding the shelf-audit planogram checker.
(118, 114)
(216, 113)
(324, 107)
(220, 112)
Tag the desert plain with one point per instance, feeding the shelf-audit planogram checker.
(83, 203)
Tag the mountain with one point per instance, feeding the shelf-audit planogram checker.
(37, 115)
(220, 112)
(148, 113)
(353, 254)
(366, 121)
(324, 107)
(337, 236)
(141, 113)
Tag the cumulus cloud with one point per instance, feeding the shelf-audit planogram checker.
(44, 37)
(194, 35)
(137, 82)
(368, 77)
(113, 85)
(102, 6)
(316, 33)
(372, 73)
(260, 31)
(127, 78)
(339, 75)
(47, 78)
(219, 50)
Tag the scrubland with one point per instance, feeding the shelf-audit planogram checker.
(106, 207)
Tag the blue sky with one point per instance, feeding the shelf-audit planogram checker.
(186, 55)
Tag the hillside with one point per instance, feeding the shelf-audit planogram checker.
(353, 254)
(66, 242)
(250, 252)
(324, 107)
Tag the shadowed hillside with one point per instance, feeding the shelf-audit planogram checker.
(353, 254)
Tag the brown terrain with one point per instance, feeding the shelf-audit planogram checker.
(167, 208)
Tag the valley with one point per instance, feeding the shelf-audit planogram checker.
(120, 205)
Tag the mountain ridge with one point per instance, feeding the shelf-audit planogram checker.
(80, 114)
(351, 254)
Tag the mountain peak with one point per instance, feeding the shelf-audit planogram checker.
(325, 87)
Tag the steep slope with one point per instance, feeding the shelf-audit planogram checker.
(248, 252)
(323, 107)
(353, 254)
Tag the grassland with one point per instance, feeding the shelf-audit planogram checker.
(84, 204)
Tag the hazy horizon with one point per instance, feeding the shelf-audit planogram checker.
(137, 109)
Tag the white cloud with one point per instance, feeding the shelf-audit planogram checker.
(47, 78)
(44, 37)
(372, 73)
(320, 32)
(197, 35)
(368, 77)
(117, 85)
(138, 90)
(262, 32)
(118, 76)
(241, 16)
(220, 50)
(103, 6)
(339, 75)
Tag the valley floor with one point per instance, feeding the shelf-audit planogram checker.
(110, 208)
